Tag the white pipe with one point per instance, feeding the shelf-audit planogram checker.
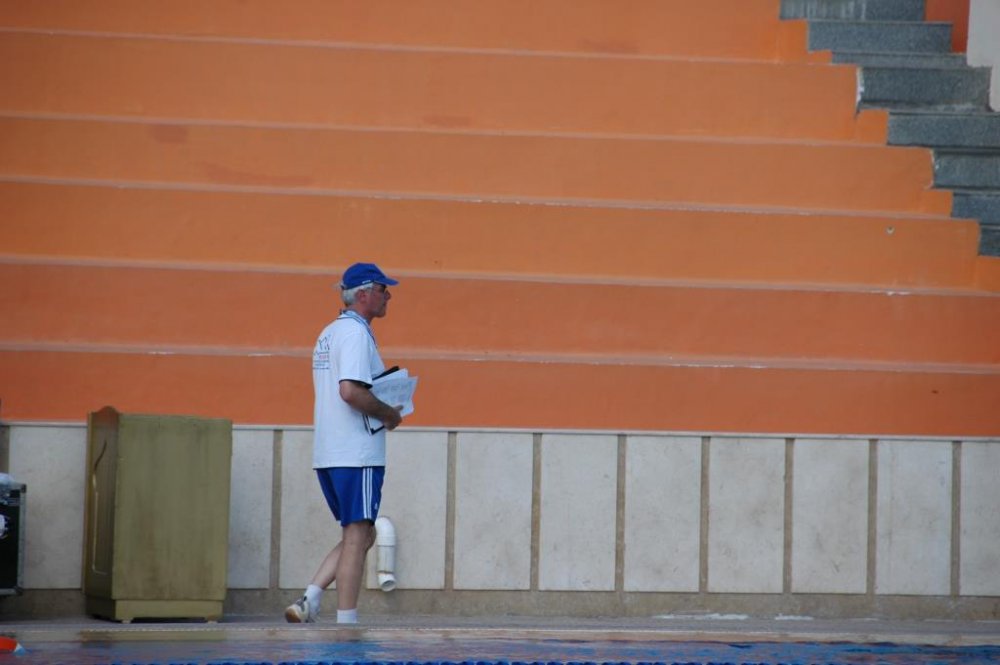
(385, 542)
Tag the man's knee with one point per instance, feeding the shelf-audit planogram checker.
(360, 535)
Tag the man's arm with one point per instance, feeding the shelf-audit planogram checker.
(359, 397)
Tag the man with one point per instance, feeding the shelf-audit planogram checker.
(348, 446)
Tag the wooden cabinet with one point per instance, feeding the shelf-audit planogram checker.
(157, 516)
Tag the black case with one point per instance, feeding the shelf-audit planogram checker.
(12, 507)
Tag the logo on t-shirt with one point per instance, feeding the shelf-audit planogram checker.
(321, 354)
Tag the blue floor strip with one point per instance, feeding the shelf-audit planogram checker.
(495, 652)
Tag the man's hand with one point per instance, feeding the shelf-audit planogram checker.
(361, 398)
(395, 419)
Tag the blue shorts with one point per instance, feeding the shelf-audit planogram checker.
(353, 493)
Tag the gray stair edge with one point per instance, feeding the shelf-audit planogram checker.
(976, 130)
(968, 170)
(968, 71)
(900, 59)
(939, 25)
(908, 10)
(983, 205)
(966, 88)
(880, 36)
(934, 113)
(989, 240)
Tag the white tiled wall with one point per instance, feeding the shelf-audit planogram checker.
(308, 529)
(250, 504)
(415, 499)
(830, 516)
(493, 498)
(746, 515)
(51, 462)
(578, 507)
(913, 554)
(668, 536)
(662, 513)
(980, 520)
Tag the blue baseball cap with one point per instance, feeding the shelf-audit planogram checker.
(360, 274)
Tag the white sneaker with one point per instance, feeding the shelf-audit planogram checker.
(301, 611)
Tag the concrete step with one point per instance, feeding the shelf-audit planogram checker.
(546, 393)
(989, 243)
(224, 311)
(945, 130)
(978, 204)
(985, 207)
(857, 10)
(160, 226)
(966, 88)
(743, 29)
(913, 60)
(276, 83)
(498, 166)
(967, 170)
(880, 36)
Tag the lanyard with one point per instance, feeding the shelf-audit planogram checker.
(351, 314)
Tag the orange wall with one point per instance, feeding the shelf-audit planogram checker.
(713, 240)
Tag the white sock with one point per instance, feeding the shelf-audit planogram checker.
(347, 616)
(313, 595)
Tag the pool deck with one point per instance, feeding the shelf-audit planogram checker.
(687, 628)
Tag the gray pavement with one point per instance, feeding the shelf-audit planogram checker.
(436, 640)
(715, 628)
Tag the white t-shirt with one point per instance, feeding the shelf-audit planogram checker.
(345, 350)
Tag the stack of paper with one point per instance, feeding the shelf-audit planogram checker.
(395, 387)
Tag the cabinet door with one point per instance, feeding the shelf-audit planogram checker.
(172, 508)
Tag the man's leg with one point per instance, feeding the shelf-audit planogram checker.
(358, 539)
(327, 572)
(306, 608)
(298, 611)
